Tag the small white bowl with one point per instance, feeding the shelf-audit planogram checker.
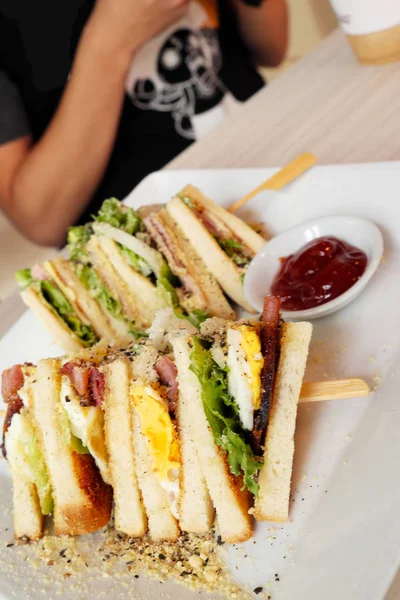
(354, 230)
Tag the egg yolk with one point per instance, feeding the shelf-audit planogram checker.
(158, 429)
(251, 346)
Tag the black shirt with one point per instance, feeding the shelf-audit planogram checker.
(180, 84)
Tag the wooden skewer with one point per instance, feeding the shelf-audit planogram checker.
(316, 391)
(283, 177)
(334, 390)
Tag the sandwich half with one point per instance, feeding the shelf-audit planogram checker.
(244, 380)
(53, 471)
(225, 243)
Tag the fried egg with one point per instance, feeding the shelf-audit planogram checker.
(245, 363)
(161, 440)
(87, 424)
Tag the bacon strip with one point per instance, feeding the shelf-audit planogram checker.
(87, 380)
(269, 335)
(167, 372)
(12, 381)
(97, 386)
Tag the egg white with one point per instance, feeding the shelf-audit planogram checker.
(239, 378)
(87, 424)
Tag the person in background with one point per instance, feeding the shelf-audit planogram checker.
(94, 95)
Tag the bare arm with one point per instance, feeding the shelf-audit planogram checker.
(264, 30)
(45, 187)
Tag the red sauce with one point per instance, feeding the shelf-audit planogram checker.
(317, 273)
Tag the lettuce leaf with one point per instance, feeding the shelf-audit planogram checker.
(116, 214)
(223, 417)
(78, 237)
(93, 283)
(234, 250)
(188, 201)
(197, 317)
(63, 308)
(168, 292)
(24, 278)
(136, 261)
(167, 274)
(77, 445)
(39, 470)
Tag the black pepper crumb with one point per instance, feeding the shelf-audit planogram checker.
(136, 576)
(219, 541)
(62, 552)
(161, 556)
(258, 590)
(10, 545)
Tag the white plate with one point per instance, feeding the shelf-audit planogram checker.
(343, 539)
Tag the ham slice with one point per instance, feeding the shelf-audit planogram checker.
(167, 245)
(167, 372)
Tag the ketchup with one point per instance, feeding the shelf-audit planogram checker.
(320, 271)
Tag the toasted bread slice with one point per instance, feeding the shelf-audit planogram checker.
(244, 232)
(53, 323)
(28, 518)
(162, 523)
(82, 501)
(145, 292)
(130, 303)
(231, 504)
(88, 309)
(202, 291)
(196, 510)
(226, 272)
(129, 513)
(274, 479)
